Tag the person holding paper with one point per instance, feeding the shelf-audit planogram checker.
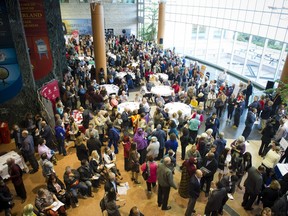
(47, 203)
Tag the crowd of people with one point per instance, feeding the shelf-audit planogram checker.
(147, 137)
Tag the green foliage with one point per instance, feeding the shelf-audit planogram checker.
(282, 90)
(149, 31)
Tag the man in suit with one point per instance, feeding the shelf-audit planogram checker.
(125, 118)
(46, 133)
(165, 182)
(253, 185)
(16, 134)
(194, 192)
(210, 164)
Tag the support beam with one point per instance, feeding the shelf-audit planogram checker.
(161, 23)
(97, 17)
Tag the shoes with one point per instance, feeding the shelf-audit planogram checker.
(167, 208)
(91, 195)
(159, 204)
(137, 182)
(234, 126)
(149, 192)
(132, 179)
(249, 209)
(85, 197)
(240, 187)
(23, 201)
(77, 204)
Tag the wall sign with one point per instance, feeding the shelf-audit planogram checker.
(34, 20)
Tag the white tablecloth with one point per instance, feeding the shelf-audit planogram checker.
(162, 90)
(111, 89)
(162, 75)
(123, 74)
(18, 160)
(131, 105)
(82, 58)
(175, 106)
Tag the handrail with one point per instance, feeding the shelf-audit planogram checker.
(233, 74)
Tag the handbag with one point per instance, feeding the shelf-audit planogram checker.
(146, 172)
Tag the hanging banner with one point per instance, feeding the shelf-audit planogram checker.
(10, 76)
(50, 91)
(34, 20)
(84, 26)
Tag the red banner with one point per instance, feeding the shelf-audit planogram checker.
(50, 91)
(34, 20)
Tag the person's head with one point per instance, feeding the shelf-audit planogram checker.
(28, 210)
(68, 170)
(43, 123)
(213, 148)
(79, 140)
(42, 141)
(241, 139)
(10, 161)
(107, 150)
(95, 155)
(214, 116)
(193, 148)
(221, 135)
(133, 146)
(261, 169)
(167, 161)
(247, 156)
(90, 126)
(24, 133)
(134, 211)
(112, 176)
(266, 212)
(44, 156)
(173, 137)
(41, 192)
(154, 139)
(198, 173)
(254, 110)
(52, 178)
(210, 156)
(111, 194)
(219, 185)
(84, 162)
(150, 158)
(275, 185)
(209, 131)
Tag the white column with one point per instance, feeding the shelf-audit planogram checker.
(279, 61)
(247, 54)
(233, 49)
(262, 59)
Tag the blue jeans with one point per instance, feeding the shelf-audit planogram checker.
(61, 147)
(82, 187)
(115, 144)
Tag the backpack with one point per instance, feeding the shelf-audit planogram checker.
(102, 204)
(146, 172)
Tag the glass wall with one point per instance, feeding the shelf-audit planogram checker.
(248, 37)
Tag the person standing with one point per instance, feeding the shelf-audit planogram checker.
(28, 151)
(249, 92)
(15, 173)
(161, 137)
(210, 164)
(165, 182)
(46, 133)
(60, 134)
(152, 166)
(194, 192)
(253, 185)
(194, 124)
(5, 198)
(134, 160)
(250, 119)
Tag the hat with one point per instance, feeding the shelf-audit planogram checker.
(154, 139)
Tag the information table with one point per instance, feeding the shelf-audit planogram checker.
(4, 167)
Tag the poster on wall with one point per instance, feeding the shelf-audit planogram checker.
(84, 26)
(34, 20)
(10, 76)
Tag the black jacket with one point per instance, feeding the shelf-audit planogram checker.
(85, 173)
(51, 187)
(212, 167)
(194, 187)
(82, 152)
(93, 144)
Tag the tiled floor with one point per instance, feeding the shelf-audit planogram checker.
(137, 194)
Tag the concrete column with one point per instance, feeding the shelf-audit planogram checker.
(97, 17)
(161, 23)
(284, 75)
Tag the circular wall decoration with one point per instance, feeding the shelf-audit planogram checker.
(4, 74)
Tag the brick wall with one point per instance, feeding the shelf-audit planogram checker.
(117, 15)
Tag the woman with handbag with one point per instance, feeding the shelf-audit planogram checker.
(134, 160)
(151, 166)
